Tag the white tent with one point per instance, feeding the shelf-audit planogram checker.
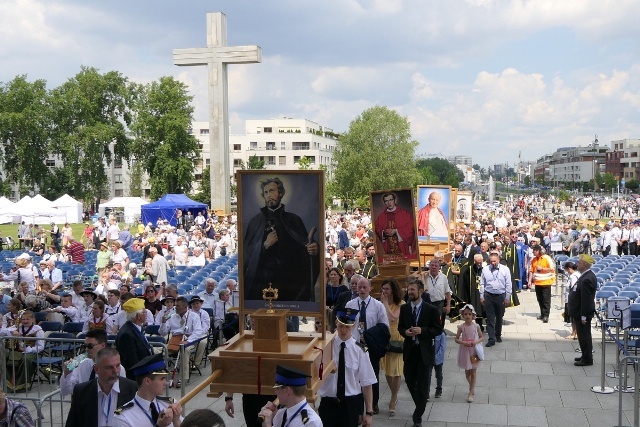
(131, 205)
(35, 211)
(70, 208)
(6, 209)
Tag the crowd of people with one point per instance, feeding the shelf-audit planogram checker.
(503, 251)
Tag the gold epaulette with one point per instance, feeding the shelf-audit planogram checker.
(166, 399)
(362, 346)
(127, 405)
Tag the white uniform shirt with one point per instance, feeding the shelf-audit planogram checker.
(376, 313)
(137, 412)
(313, 419)
(358, 370)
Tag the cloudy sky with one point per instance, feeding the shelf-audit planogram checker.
(485, 78)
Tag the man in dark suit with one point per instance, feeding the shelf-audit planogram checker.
(130, 341)
(93, 405)
(582, 306)
(345, 297)
(419, 324)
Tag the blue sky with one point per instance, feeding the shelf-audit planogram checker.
(486, 78)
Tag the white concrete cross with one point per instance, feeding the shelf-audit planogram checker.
(216, 56)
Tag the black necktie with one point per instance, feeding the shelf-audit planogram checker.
(341, 373)
(284, 418)
(154, 413)
(363, 314)
(415, 320)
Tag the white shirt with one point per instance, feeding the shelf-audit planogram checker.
(376, 313)
(204, 319)
(197, 261)
(121, 318)
(313, 419)
(209, 299)
(189, 325)
(107, 404)
(77, 301)
(162, 312)
(220, 309)
(71, 312)
(137, 415)
(437, 287)
(358, 370)
(81, 374)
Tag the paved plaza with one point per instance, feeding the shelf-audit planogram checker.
(527, 380)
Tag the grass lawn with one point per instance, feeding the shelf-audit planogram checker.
(12, 230)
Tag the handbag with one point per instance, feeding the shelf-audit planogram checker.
(479, 350)
(174, 343)
(395, 346)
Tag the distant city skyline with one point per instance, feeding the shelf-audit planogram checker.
(483, 78)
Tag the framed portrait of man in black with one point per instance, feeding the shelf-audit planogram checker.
(281, 239)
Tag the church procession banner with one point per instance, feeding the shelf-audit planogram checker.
(394, 225)
(434, 213)
(281, 239)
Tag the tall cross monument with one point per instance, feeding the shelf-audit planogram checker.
(216, 56)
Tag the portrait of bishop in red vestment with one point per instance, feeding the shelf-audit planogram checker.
(394, 225)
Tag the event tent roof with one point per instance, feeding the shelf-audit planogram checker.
(166, 208)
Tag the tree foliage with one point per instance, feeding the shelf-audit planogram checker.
(304, 163)
(632, 184)
(204, 192)
(25, 124)
(136, 179)
(376, 153)
(256, 162)
(90, 113)
(437, 171)
(162, 143)
(609, 181)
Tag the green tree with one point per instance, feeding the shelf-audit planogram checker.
(376, 153)
(443, 171)
(609, 181)
(162, 142)
(304, 163)
(25, 126)
(527, 180)
(136, 178)
(255, 163)
(632, 184)
(204, 192)
(90, 114)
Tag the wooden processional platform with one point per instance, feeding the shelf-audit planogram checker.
(248, 361)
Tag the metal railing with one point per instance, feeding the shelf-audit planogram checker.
(41, 372)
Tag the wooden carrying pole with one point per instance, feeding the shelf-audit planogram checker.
(211, 378)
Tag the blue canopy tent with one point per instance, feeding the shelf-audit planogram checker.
(166, 208)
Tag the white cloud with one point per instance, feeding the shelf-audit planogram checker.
(478, 77)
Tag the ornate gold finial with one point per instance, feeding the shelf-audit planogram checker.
(270, 294)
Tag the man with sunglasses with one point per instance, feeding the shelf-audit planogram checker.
(94, 341)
